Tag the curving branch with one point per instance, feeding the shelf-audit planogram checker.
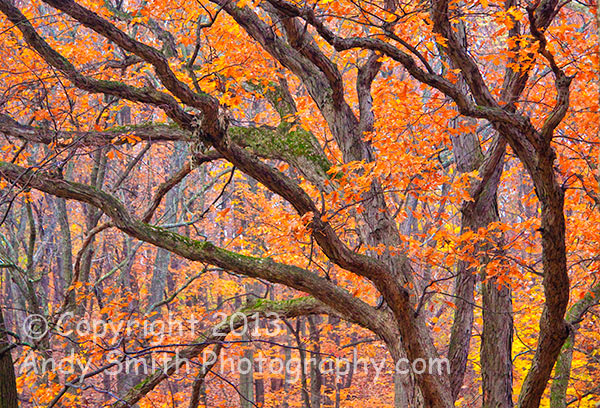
(366, 75)
(216, 335)
(417, 339)
(299, 38)
(91, 20)
(118, 136)
(202, 251)
(56, 60)
(490, 111)
(544, 12)
(458, 54)
(213, 132)
(561, 81)
(165, 187)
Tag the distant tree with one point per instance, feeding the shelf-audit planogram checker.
(360, 167)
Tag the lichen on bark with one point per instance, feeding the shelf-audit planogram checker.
(288, 142)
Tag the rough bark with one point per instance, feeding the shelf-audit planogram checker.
(295, 308)
(534, 150)
(323, 81)
(213, 127)
(562, 374)
(496, 342)
(8, 383)
(496, 346)
(316, 378)
(562, 369)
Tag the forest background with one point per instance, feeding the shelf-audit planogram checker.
(189, 185)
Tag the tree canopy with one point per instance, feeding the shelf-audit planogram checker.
(186, 185)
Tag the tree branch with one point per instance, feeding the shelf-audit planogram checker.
(146, 95)
(154, 132)
(91, 20)
(202, 251)
(217, 334)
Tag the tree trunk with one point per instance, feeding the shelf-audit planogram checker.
(476, 214)
(247, 377)
(259, 391)
(65, 259)
(562, 369)
(8, 383)
(496, 345)
(316, 379)
(160, 273)
(562, 374)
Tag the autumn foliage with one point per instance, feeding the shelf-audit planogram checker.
(299, 182)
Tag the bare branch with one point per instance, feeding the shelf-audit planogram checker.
(217, 334)
(146, 95)
(204, 102)
(155, 132)
(202, 251)
(561, 80)
(164, 188)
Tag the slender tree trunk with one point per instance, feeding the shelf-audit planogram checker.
(259, 391)
(128, 283)
(247, 377)
(287, 355)
(8, 383)
(496, 345)
(160, 273)
(562, 374)
(302, 354)
(92, 215)
(562, 369)
(316, 379)
(66, 250)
